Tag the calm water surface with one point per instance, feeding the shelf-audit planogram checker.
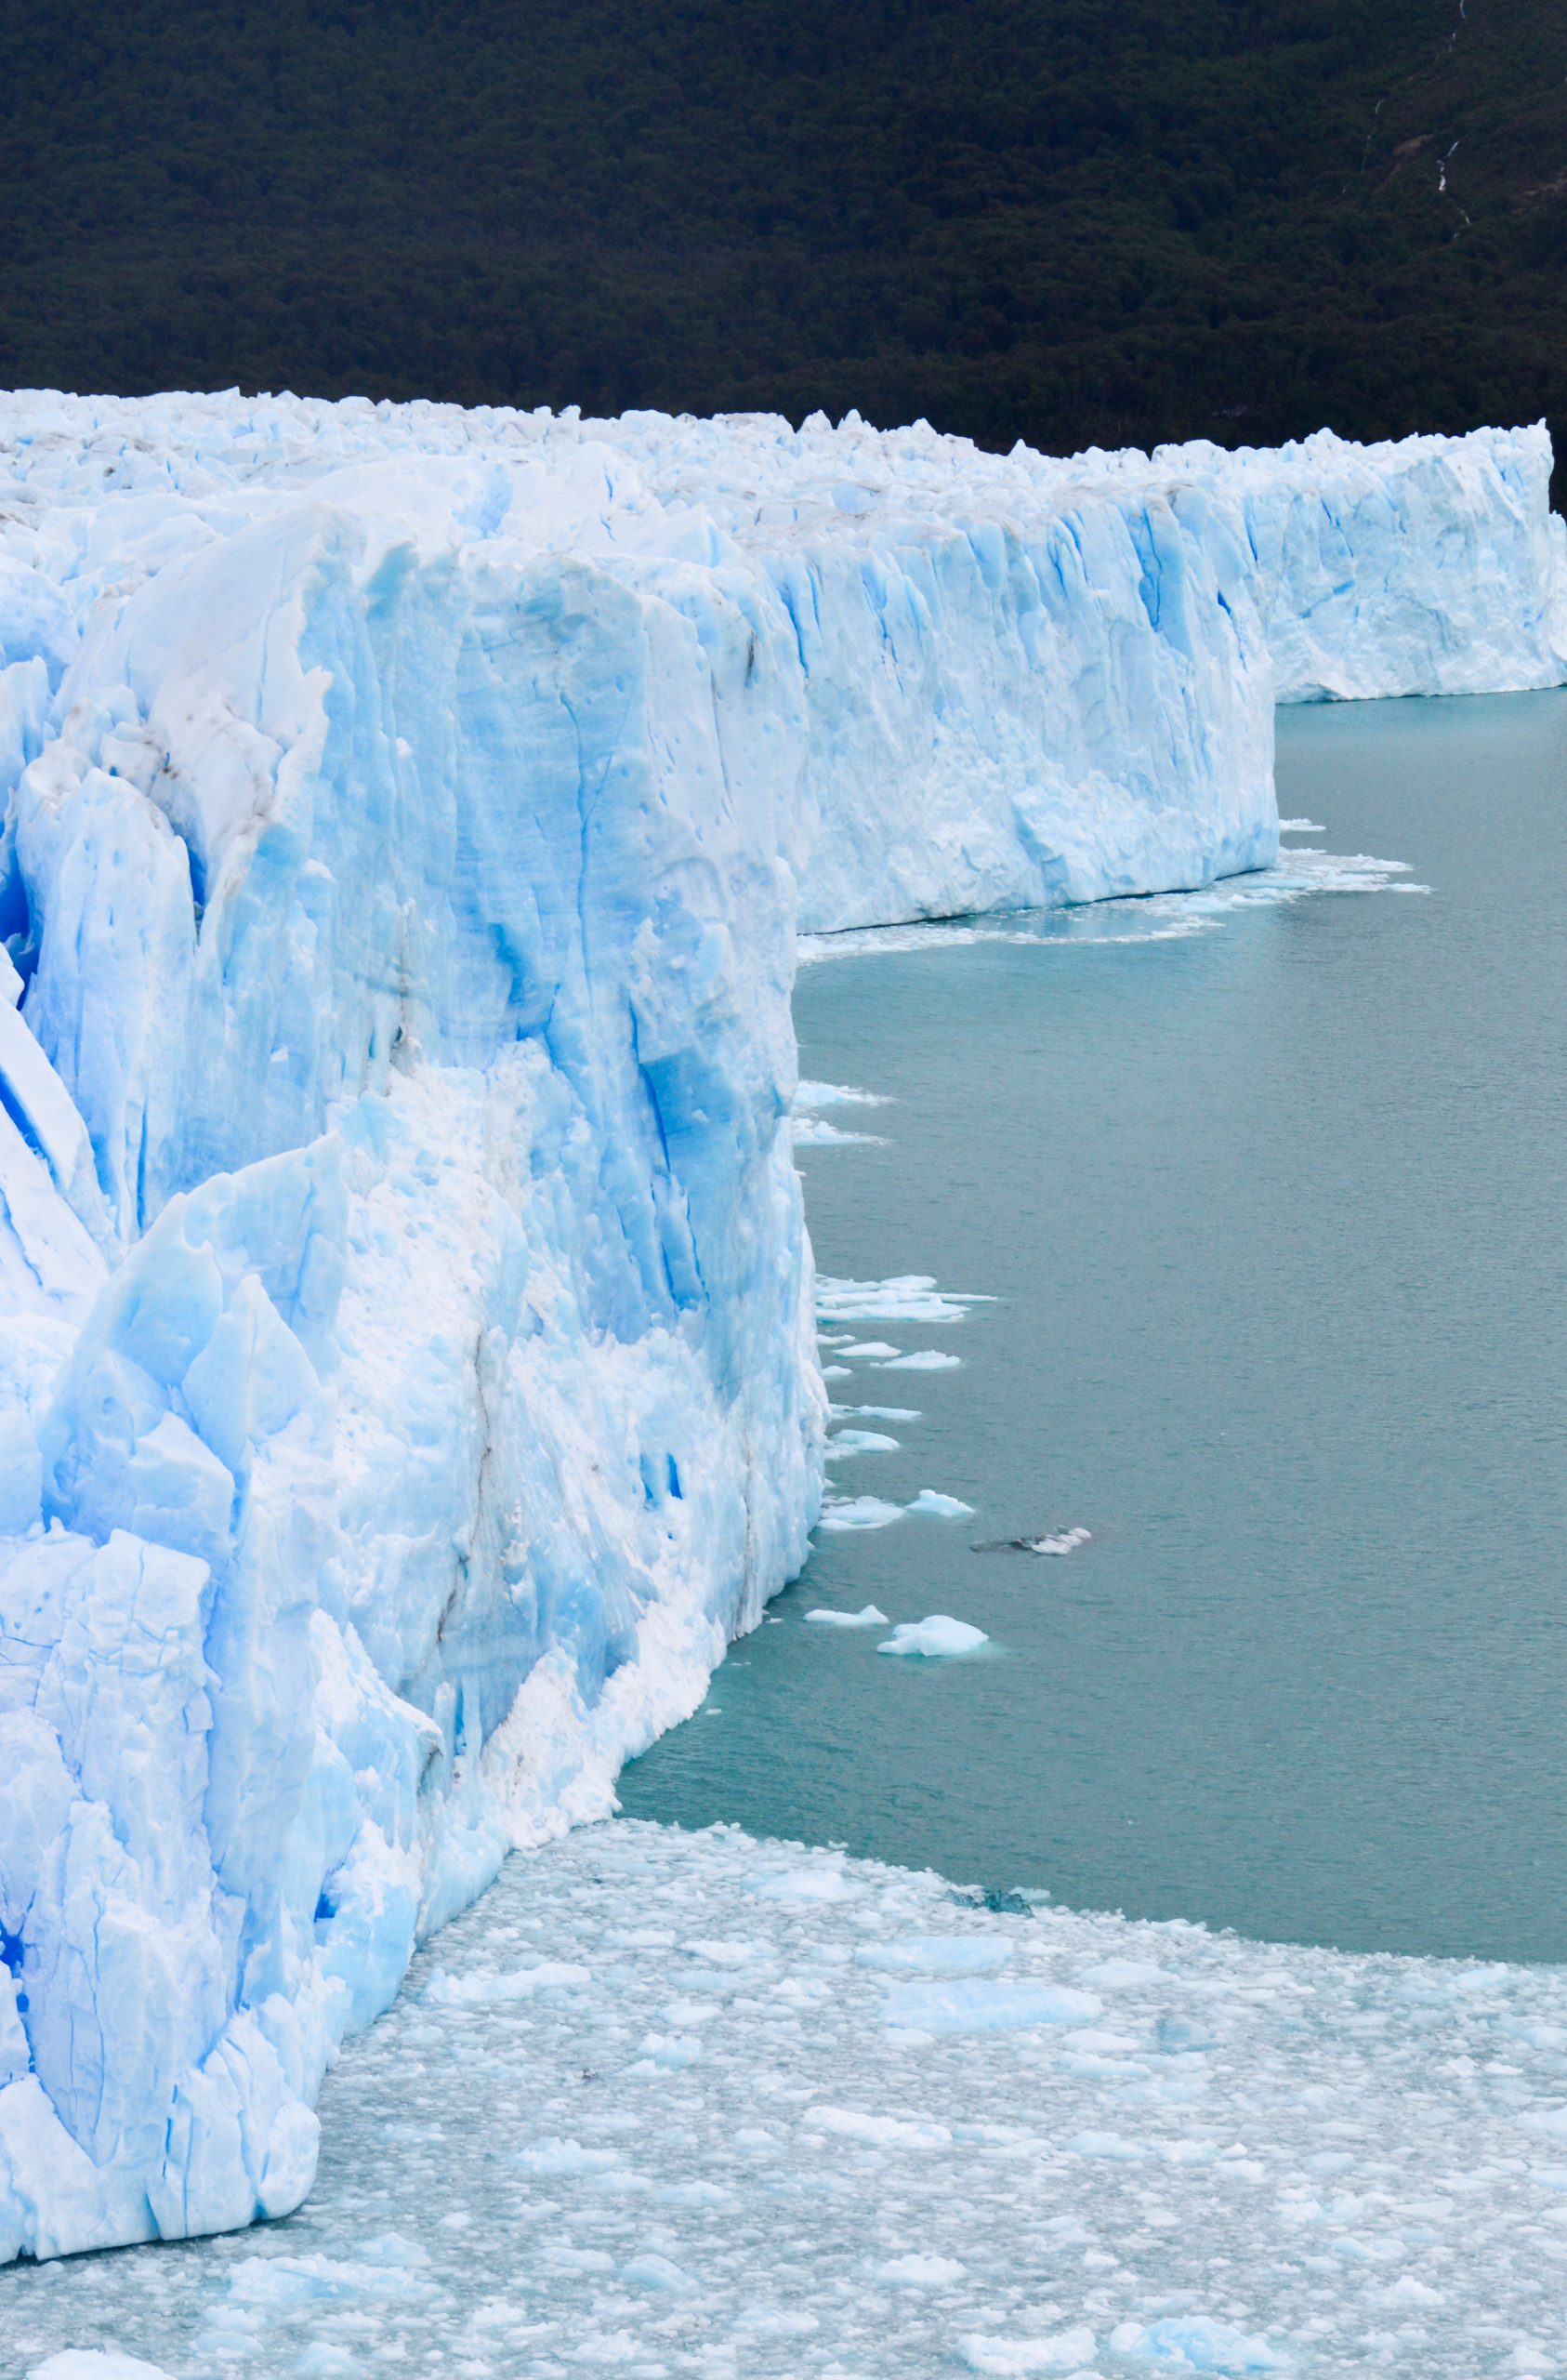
(1272, 1216)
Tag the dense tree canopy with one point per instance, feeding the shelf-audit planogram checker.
(1071, 221)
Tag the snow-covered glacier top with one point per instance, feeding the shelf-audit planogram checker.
(953, 610)
(406, 1375)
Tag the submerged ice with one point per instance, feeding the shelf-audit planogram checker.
(407, 1382)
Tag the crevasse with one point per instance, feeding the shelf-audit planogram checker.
(406, 1374)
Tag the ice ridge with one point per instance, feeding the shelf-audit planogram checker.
(406, 1373)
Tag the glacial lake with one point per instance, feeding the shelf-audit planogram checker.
(1267, 1193)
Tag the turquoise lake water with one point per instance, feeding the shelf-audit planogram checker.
(1268, 1194)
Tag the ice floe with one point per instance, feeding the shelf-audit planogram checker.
(859, 1511)
(910, 1298)
(935, 1639)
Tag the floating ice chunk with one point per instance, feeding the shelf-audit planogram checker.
(281, 2283)
(904, 1297)
(687, 2015)
(1194, 2343)
(860, 1511)
(1113, 2145)
(937, 1955)
(867, 1617)
(868, 1347)
(1180, 2037)
(1063, 2351)
(935, 1639)
(861, 1441)
(1117, 1974)
(393, 2251)
(560, 2157)
(664, 2053)
(731, 1953)
(608, 2348)
(947, 1508)
(923, 1359)
(816, 1886)
(981, 2007)
(657, 2273)
(693, 2194)
(879, 2131)
(917, 2272)
(96, 2364)
(1063, 1541)
(1301, 827)
(1408, 2289)
(497, 1990)
(872, 1412)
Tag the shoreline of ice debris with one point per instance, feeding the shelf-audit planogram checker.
(672, 2103)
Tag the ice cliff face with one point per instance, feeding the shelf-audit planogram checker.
(406, 1381)
(1433, 566)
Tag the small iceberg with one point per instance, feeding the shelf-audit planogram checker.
(1197, 2343)
(944, 1508)
(907, 1297)
(860, 1511)
(815, 1886)
(915, 2271)
(937, 1638)
(869, 1617)
(860, 1442)
(96, 2364)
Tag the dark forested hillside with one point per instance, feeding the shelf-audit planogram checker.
(1073, 220)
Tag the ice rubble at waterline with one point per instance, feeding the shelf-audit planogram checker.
(406, 1378)
(669, 2104)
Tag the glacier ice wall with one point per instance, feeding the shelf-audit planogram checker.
(1428, 566)
(406, 1381)
(409, 1341)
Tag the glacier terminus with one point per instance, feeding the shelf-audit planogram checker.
(408, 1382)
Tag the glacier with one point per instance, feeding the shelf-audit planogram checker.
(407, 1381)
(1421, 566)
